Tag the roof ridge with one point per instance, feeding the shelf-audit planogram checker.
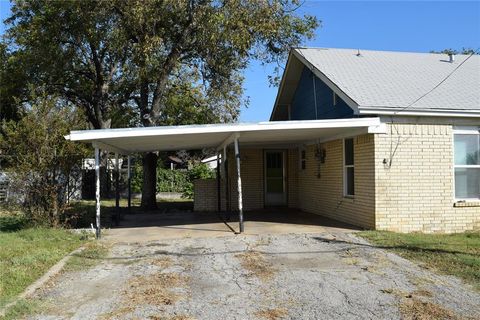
(373, 50)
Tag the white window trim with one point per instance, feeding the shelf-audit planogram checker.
(462, 130)
(301, 160)
(345, 166)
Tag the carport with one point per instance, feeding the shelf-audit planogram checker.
(127, 141)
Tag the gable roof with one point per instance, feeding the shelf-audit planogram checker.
(382, 81)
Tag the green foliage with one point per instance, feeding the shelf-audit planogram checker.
(199, 171)
(12, 84)
(41, 162)
(152, 62)
(467, 51)
(455, 254)
(108, 56)
(171, 180)
(9, 223)
(174, 180)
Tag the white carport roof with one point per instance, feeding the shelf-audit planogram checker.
(190, 137)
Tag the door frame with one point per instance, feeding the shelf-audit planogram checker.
(284, 202)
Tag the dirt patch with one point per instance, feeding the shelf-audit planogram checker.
(416, 309)
(256, 264)
(272, 314)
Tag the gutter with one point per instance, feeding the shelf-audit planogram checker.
(424, 112)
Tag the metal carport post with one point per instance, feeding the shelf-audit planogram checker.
(239, 186)
(97, 192)
(117, 194)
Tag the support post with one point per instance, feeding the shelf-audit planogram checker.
(227, 182)
(239, 186)
(219, 200)
(117, 187)
(97, 192)
(129, 178)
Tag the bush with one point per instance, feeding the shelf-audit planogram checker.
(41, 163)
(171, 180)
(174, 180)
(198, 171)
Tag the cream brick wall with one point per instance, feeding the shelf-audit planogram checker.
(416, 192)
(320, 186)
(205, 195)
(252, 171)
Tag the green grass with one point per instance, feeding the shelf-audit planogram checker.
(453, 254)
(88, 257)
(23, 308)
(25, 255)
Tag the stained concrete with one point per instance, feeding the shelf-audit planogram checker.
(157, 225)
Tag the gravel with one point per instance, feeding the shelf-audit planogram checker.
(289, 276)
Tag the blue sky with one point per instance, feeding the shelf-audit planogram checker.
(418, 26)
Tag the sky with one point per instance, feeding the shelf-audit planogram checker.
(418, 26)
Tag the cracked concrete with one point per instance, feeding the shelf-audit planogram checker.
(315, 276)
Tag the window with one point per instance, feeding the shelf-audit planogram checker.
(467, 163)
(348, 168)
(334, 99)
(303, 159)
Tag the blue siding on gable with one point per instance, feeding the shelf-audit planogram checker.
(303, 102)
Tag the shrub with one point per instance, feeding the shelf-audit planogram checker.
(198, 171)
(171, 180)
(40, 161)
(174, 180)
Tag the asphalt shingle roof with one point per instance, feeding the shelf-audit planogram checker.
(396, 79)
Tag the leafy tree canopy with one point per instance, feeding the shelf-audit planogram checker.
(152, 62)
(454, 51)
(111, 56)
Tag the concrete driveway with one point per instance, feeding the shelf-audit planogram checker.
(141, 226)
(326, 275)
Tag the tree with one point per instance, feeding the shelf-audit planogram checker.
(41, 163)
(12, 85)
(211, 41)
(464, 50)
(168, 61)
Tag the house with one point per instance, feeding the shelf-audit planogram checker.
(380, 140)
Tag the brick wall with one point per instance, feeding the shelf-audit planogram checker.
(320, 186)
(252, 172)
(205, 195)
(416, 192)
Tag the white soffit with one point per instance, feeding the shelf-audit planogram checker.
(191, 137)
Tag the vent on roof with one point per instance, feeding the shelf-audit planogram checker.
(451, 57)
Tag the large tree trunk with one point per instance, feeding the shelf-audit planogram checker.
(149, 187)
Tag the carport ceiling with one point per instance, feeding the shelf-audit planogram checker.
(167, 138)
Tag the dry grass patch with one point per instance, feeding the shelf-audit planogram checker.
(177, 317)
(416, 309)
(272, 314)
(163, 262)
(155, 289)
(256, 264)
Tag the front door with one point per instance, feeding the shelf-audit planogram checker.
(275, 182)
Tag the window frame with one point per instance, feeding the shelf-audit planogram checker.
(302, 164)
(345, 166)
(470, 130)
